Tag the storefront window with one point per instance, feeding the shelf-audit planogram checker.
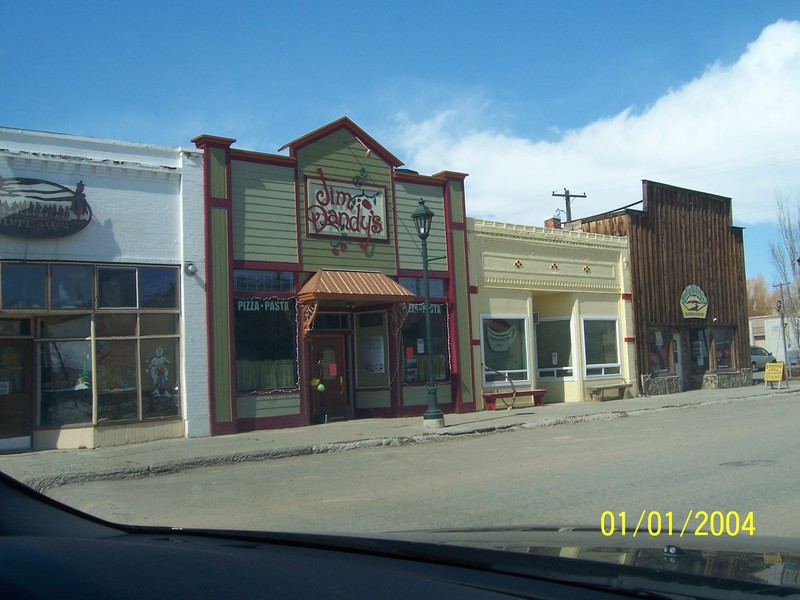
(71, 286)
(24, 285)
(660, 351)
(115, 324)
(723, 347)
(415, 356)
(160, 394)
(600, 347)
(65, 378)
(116, 380)
(265, 331)
(505, 348)
(554, 348)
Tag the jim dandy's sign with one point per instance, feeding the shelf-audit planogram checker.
(343, 210)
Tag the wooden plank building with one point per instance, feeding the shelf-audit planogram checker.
(688, 288)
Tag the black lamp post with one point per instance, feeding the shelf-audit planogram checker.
(423, 216)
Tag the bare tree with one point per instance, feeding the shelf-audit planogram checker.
(785, 254)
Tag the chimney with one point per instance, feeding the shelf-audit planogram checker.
(552, 223)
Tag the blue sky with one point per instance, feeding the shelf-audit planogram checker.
(526, 97)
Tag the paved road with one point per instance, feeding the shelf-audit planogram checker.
(725, 457)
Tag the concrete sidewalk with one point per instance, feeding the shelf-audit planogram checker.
(49, 468)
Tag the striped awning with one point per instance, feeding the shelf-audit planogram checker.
(353, 286)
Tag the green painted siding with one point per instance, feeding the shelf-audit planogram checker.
(264, 216)
(277, 405)
(341, 157)
(457, 201)
(218, 173)
(221, 310)
(408, 243)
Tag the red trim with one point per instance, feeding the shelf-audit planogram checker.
(629, 340)
(627, 296)
(475, 342)
(458, 226)
(219, 202)
(348, 125)
(451, 175)
(473, 289)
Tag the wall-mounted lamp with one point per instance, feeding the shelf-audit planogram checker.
(367, 150)
(190, 268)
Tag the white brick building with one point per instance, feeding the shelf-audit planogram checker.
(102, 298)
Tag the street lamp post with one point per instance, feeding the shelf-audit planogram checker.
(423, 216)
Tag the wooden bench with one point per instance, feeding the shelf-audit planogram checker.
(490, 398)
(597, 392)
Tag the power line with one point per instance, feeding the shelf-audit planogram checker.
(568, 198)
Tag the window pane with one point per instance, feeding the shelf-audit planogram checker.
(79, 326)
(150, 324)
(117, 288)
(554, 348)
(600, 339)
(266, 345)
(71, 286)
(660, 351)
(415, 286)
(698, 341)
(160, 390)
(504, 348)
(158, 287)
(263, 281)
(65, 370)
(116, 380)
(108, 325)
(415, 357)
(24, 285)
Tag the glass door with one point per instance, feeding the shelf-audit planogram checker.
(16, 393)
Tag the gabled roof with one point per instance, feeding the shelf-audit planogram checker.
(354, 130)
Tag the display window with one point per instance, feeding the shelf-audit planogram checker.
(415, 354)
(504, 347)
(601, 347)
(265, 333)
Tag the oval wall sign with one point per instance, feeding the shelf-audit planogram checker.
(35, 208)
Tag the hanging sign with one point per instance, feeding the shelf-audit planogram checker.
(36, 208)
(694, 303)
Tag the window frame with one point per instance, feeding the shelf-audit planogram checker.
(610, 370)
(527, 380)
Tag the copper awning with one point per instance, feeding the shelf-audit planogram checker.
(351, 286)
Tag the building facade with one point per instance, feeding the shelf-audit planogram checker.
(97, 300)
(553, 310)
(314, 283)
(689, 288)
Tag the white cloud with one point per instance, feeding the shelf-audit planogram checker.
(733, 131)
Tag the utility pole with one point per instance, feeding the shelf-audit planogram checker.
(781, 310)
(568, 197)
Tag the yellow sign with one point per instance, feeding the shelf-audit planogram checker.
(775, 372)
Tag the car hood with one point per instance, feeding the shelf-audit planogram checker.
(757, 559)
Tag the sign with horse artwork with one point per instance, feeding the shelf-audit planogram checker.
(36, 208)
